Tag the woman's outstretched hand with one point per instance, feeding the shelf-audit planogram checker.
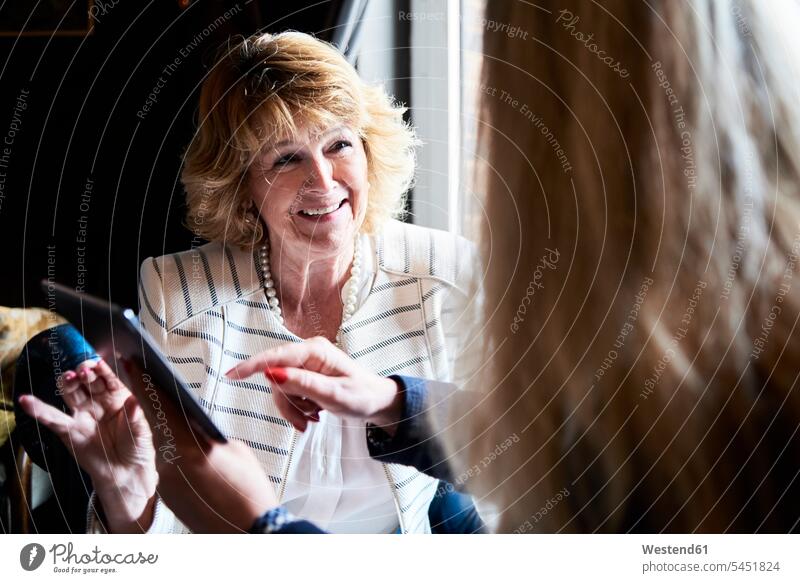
(315, 375)
(108, 435)
(209, 486)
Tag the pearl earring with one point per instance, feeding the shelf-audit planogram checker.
(250, 215)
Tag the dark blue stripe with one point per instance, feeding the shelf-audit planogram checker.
(385, 343)
(150, 309)
(373, 319)
(234, 275)
(391, 284)
(402, 365)
(245, 413)
(211, 288)
(184, 285)
(265, 333)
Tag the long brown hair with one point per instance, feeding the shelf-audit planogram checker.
(641, 244)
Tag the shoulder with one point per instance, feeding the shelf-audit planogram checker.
(178, 286)
(425, 253)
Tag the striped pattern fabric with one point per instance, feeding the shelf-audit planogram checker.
(207, 309)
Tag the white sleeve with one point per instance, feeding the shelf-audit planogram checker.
(164, 521)
(462, 315)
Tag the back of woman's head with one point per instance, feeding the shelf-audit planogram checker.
(642, 242)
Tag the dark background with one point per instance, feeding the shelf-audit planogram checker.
(88, 189)
(81, 124)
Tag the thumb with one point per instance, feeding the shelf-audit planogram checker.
(140, 429)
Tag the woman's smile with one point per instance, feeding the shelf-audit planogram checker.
(311, 191)
(324, 213)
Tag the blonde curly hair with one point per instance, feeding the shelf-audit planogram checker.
(256, 94)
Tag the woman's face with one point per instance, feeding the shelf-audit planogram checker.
(312, 191)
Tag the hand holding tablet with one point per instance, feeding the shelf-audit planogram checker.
(130, 436)
(107, 434)
(115, 332)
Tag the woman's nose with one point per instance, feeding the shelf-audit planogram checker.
(320, 178)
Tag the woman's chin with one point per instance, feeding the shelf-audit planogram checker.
(325, 237)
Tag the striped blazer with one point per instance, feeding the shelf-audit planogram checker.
(207, 309)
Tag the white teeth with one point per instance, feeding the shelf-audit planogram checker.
(322, 211)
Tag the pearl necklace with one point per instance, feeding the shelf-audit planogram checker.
(351, 287)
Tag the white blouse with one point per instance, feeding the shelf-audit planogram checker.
(333, 482)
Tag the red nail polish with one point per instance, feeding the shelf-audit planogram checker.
(276, 375)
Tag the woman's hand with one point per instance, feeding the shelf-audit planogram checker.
(314, 375)
(209, 486)
(109, 437)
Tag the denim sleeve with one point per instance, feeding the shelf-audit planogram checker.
(278, 520)
(413, 444)
(300, 527)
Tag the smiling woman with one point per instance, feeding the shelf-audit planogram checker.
(268, 95)
(298, 168)
(296, 174)
(313, 191)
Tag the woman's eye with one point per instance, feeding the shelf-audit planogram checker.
(285, 160)
(341, 145)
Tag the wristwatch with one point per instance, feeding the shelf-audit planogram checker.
(271, 521)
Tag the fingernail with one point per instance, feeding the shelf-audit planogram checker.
(227, 374)
(69, 375)
(276, 375)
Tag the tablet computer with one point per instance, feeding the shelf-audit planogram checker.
(114, 330)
